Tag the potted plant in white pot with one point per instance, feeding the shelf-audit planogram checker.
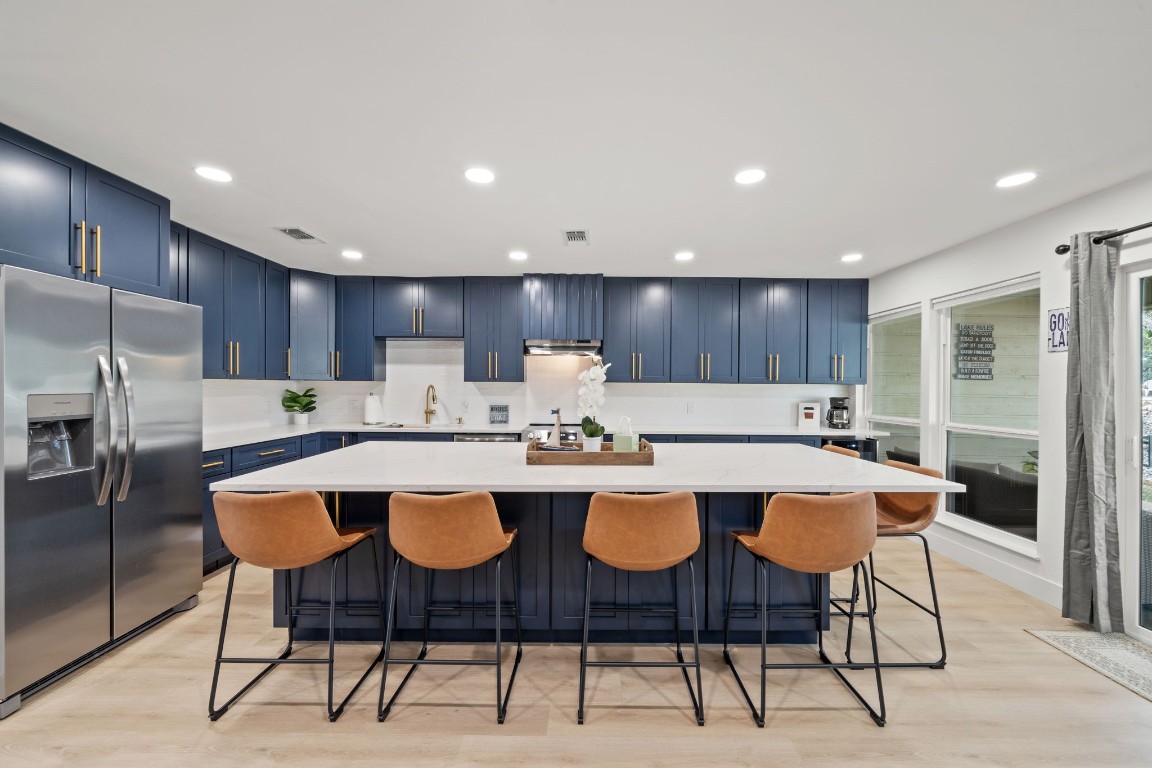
(591, 394)
(299, 404)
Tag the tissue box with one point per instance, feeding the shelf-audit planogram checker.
(626, 443)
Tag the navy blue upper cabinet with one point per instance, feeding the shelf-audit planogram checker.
(41, 206)
(277, 321)
(178, 262)
(563, 306)
(244, 313)
(636, 328)
(313, 326)
(773, 331)
(129, 230)
(61, 216)
(229, 284)
(837, 331)
(705, 329)
(494, 336)
(355, 345)
(429, 306)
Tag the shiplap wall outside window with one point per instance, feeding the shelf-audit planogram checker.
(894, 389)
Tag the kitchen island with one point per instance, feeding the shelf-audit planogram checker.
(549, 504)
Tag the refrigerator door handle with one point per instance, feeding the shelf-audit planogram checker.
(113, 430)
(130, 422)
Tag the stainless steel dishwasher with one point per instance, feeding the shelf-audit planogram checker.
(485, 437)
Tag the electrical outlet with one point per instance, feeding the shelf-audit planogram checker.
(689, 407)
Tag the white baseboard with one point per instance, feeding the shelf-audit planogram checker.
(972, 553)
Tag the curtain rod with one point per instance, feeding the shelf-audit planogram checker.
(1064, 248)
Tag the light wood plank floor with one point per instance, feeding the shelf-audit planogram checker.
(1005, 698)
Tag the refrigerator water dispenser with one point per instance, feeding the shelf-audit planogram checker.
(60, 434)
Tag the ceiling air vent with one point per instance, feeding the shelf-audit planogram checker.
(576, 237)
(300, 236)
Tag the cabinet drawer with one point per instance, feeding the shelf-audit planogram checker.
(259, 454)
(217, 462)
(264, 465)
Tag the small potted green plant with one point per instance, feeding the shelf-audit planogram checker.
(593, 434)
(299, 404)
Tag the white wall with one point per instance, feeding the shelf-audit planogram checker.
(550, 382)
(1025, 248)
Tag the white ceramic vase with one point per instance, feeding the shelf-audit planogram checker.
(299, 418)
(593, 443)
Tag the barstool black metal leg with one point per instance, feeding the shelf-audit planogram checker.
(499, 628)
(760, 717)
(332, 714)
(382, 710)
(584, 641)
(935, 605)
(869, 603)
(698, 705)
(728, 607)
(676, 614)
(934, 611)
(214, 713)
(519, 640)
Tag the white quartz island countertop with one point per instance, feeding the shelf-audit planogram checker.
(501, 467)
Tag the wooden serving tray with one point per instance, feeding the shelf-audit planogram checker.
(607, 457)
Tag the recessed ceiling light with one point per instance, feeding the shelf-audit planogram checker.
(518, 255)
(352, 254)
(685, 256)
(213, 174)
(479, 175)
(852, 257)
(750, 176)
(1016, 179)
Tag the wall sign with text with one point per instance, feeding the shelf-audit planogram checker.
(1058, 330)
(975, 345)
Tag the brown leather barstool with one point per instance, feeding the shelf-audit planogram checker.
(840, 450)
(818, 535)
(908, 514)
(285, 531)
(644, 533)
(451, 532)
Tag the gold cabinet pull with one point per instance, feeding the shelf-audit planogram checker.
(213, 464)
(337, 363)
(98, 239)
(497, 365)
(413, 321)
(421, 321)
(640, 358)
(330, 364)
(709, 367)
(833, 367)
(229, 358)
(633, 366)
(237, 358)
(272, 453)
(288, 372)
(83, 227)
(701, 366)
(343, 441)
(489, 365)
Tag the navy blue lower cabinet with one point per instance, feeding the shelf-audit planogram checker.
(530, 514)
(812, 442)
(711, 438)
(729, 512)
(568, 566)
(654, 589)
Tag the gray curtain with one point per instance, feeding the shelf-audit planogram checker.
(1091, 544)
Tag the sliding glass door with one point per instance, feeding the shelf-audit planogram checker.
(1134, 428)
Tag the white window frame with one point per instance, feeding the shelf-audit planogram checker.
(942, 309)
(871, 417)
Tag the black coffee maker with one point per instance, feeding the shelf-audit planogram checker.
(838, 414)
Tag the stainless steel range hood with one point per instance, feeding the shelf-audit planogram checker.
(587, 347)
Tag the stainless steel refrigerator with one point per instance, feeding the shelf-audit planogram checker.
(100, 504)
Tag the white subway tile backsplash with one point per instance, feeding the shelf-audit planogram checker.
(550, 382)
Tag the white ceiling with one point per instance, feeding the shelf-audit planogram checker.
(883, 125)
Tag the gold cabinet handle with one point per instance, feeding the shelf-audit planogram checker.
(213, 464)
(489, 365)
(229, 358)
(330, 364)
(288, 372)
(421, 321)
(272, 453)
(833, 367)
(640, 358)
(83, 227)
(709, 367)
(497, 365)
(343, 441)
(237, 358)
(98, 239)
(701, 366)
(413, 321)
(337, 363)
(633, 366)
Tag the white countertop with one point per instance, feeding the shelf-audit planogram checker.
(501, 467)
(216, 439)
